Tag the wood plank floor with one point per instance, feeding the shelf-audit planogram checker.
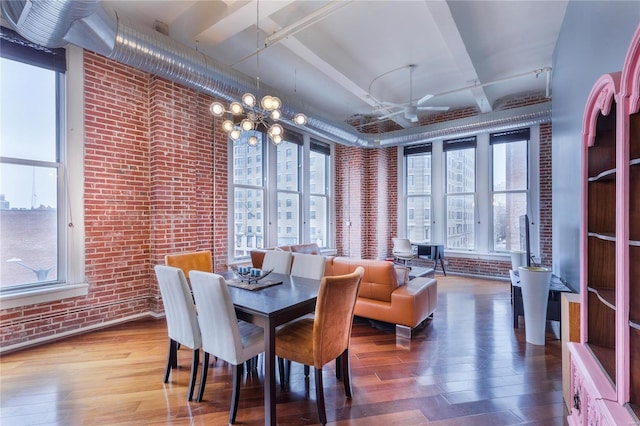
(467, 367)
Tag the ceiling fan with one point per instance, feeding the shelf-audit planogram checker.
(411, 108)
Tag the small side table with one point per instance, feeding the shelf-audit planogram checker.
(433, 252)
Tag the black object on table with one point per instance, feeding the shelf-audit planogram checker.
(433, 252)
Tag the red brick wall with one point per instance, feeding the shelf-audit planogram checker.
(151, 169)
(546, 193)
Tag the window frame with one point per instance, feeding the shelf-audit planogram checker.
(409, 154)
(484, 229)
(71, 276)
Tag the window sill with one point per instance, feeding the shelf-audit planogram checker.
(477, 255)
(42, 295)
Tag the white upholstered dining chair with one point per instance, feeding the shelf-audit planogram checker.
(308, 266)
(279, 261)
(222, 334)
(182, 320)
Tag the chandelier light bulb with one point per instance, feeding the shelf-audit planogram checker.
(227, 125)
(246, 125)
(236, 108)
(248, 99)
(300, 119)
(235, 134)
(276, 114)
(276, 130)
(253, 140)
(267, 103)
(277, 103)
(276, 139)
(217, 109)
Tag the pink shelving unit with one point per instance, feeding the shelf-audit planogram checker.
(605, 365)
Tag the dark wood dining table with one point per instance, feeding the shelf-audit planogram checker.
(268, 308)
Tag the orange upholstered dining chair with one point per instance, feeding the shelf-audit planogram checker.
(319, 340)
(193, 261)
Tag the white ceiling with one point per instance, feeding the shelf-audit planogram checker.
(341, 63)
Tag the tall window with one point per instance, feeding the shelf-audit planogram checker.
(248, 196)
(32, 242)
(460, 187)
(509, 186)
(319, 193)
(418, 192)
(285, 197)
(289, 190)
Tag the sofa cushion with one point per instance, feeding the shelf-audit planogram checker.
(378, 282)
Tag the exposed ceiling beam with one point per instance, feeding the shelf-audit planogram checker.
(453, 39)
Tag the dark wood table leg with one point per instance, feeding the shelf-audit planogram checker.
(270, 375)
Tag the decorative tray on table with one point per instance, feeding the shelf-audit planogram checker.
(250, 275)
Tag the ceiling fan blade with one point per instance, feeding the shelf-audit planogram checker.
(383, 117)
(433, 108)
(424, 99)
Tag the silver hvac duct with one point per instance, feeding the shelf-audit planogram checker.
(86, 24)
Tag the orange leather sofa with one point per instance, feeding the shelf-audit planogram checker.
(383, 298)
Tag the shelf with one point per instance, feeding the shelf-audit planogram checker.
(635, 162)
(604, 176)
(607, 359)
(603, 236)
(634, 324)
(606, 296)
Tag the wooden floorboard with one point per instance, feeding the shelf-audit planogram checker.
(468, 366)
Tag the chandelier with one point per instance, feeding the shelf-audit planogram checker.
(249, 116)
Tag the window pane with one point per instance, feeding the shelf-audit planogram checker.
(28, 224)
(460, 222)
(242, 151)
(510, 166)
(288, 166)
(318, 166)
(319, 220)
(247, 219)
(28, 118)
(419, 219)
(419, 174)
(461, 171)
(507, 209)
(291, 223)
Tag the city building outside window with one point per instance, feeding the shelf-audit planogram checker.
(290, 200)
(418, 192)
(510, 182)
(33, 241)
(460, 193)
(248, 191)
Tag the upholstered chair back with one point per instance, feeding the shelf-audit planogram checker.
(194, 261)
(279, 261)
(308, 266)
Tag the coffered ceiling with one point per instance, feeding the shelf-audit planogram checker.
(353, 59)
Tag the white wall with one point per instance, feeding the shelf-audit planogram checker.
(593, 40)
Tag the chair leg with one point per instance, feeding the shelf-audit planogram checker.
(281, 373)
(346, 374)
(195, 360)
(320, 397)
(339, 367)
(203, 376)
(237, 377)
(172, 360)
(306, 370)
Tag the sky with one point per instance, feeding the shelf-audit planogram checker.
(27, 131)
